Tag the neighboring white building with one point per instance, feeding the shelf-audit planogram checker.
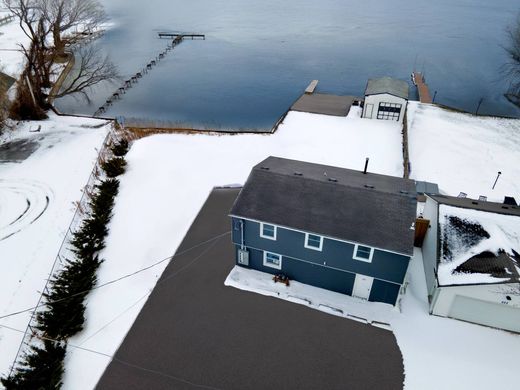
(472, 262)
(386, 98)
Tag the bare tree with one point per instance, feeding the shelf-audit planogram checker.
(46, 23)
(65, 15)
(90, 69)
(512, 68)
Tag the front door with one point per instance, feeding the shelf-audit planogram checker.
(362, 286)
(368, 110)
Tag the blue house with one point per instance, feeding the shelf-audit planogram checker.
(339, 229)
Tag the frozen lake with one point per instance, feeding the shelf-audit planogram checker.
(258, 57)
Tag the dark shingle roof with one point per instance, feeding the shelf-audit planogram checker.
(372, 209)
(499, 266)
(389, 85)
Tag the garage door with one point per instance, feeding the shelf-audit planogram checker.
(486, 313)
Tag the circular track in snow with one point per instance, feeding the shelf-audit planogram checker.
(21, 203)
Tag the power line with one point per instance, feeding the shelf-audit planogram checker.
(117, 279)
(168, 277)
(121, 361)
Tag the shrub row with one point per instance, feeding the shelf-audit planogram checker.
(64, 314)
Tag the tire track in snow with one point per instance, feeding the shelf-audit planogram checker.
(22, 202)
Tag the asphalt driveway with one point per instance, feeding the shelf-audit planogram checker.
(194, 332)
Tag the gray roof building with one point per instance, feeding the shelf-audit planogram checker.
(388, 85)
(371, 209)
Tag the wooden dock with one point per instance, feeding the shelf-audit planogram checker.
(422, 87)
(312, 86)
(182, 36)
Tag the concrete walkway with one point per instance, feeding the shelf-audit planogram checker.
(194, 332)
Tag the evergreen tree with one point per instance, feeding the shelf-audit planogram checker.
(41, 368)
(114, 167)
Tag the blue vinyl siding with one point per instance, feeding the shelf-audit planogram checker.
(324, 268)
(307, 273)
(384, 292)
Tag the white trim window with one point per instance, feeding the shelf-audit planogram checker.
(268, 231)
(363, 253)
(313, 241)
(272, 260)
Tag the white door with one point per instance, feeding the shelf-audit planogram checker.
(368, 110)
(362, 286)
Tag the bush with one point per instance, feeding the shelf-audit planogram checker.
(121, 148)
(114, 167)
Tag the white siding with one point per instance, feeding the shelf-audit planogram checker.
(429, 248)
(383, 98)
(483, 304)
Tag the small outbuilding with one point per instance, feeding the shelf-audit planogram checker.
(471, 260)
(386, 98)
(329, 227)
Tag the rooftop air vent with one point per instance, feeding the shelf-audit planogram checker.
(265, 168)
(298, 174)
(333, 179)
(369, 186)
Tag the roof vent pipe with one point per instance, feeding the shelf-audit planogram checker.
(366, 166)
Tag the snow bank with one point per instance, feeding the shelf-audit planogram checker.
(36, 207)
(317, 298)
(463, 153)
(168, 179)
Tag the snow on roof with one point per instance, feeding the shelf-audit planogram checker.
(389, 85)
(477, 247)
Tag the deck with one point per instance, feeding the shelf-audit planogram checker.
(422, 87)
(318, 103)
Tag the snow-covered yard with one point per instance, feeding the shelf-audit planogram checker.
(167, 181)
(11, 36)
(463, 153)
(37, 198)
(170, 176)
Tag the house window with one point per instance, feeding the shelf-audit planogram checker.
(272, 260)
(363, 253)
(268, 231)
(313, 241)
(389, 111)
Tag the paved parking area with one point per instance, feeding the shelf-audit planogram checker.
(194, 332)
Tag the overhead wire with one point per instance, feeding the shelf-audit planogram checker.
(117, 279)
(121, 361)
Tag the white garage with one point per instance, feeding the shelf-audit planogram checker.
(471, 261)
(386, 98)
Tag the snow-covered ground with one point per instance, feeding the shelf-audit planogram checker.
(37, 198)
(463, 153)
(168, 179)
(11, 58)
(341, 305)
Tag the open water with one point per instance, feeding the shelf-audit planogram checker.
(259, 56)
